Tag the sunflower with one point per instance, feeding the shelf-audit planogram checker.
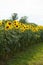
(9, 23)
(27, 27)
(0, 22)
(15, 22)
(22, 29)
(16, 26)
(34, 29)
(8, 27)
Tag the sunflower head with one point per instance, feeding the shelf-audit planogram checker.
(22, 29)
(9, 23)
(16, 26)
(7, 27)
(0, 22)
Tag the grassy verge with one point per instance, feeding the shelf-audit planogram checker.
(31, 56)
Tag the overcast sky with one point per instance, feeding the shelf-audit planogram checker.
(31, 8)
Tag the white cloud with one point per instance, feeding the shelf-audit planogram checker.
(32, 8)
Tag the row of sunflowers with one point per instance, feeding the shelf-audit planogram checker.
(8, 25)
(16, 36)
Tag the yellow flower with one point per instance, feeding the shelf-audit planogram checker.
(40, 27)
(23, 26)
(33, 29)
(20, 24)
(22, 29)
(9, 23)
(27, 27)
(16, 26)
(0, 22)
(36, 29)
(15, 21)
(8, 27)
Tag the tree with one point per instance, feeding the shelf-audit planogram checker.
(14, 16)
(23, 19)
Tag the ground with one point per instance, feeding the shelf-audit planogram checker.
(31, 56)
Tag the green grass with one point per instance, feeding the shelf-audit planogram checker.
(31, 56)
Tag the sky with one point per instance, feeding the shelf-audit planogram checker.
(33, 9)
